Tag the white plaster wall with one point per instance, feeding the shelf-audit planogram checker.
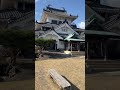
(64, 32)
(68, 30)
(60, 44)
(37, 32)
(112, 3)
(50, 18)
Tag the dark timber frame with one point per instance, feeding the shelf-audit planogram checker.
(100, 40)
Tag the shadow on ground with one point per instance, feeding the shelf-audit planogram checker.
(73, 87)
(61, 55)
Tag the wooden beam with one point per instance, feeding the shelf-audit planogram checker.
(62, 82)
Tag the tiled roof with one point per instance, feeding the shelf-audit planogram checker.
(106, 33)
(5, 14)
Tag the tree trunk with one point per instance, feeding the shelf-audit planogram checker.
(13, 56)
(11, 67)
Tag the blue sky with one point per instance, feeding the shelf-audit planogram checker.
(73, 7)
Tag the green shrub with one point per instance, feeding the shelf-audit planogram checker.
(47, 44)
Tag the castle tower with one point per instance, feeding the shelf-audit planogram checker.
(56, 16)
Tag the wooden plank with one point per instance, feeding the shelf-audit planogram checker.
(62, 82)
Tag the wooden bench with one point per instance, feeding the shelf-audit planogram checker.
(62, 82)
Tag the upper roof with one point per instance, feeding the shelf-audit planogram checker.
(48, 8)
(49, 11)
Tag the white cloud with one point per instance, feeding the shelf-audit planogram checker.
(81, 25)
(36, 13)
(36, 0)
(47, 1)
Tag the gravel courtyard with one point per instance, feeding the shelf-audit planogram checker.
(73, 69)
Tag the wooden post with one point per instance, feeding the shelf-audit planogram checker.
(78, 47)
(105, 55)
(87, 51)
(101, 49)
(68, 46)
(23, 6)
(1, 4)
(71, 46)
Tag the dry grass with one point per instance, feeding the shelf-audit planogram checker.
(102, 82)
(18, 85)
(71, 68)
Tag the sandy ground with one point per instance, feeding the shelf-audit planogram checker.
(73, 69)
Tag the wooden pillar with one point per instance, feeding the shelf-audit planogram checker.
(101, 49)
(105, 54)
(71, 46)
(1, 4)
(87, 50)
(55, 46)
(68, 46)
(78, 47)
(16, 5)
(23, 6)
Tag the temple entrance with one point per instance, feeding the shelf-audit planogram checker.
(95, 49)
(74, 46)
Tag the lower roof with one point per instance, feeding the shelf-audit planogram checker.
(104, 33)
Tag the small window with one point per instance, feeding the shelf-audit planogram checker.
(54, 21)
(64, 29)
(60, 22)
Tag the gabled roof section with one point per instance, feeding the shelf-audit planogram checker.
(51, 32)
(89, 21)
(90, 12)
(73, 37)
(66, 25)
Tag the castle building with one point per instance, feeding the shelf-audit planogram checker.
(58, 25)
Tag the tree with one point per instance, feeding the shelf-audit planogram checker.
(15, 41)
(45, 43)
